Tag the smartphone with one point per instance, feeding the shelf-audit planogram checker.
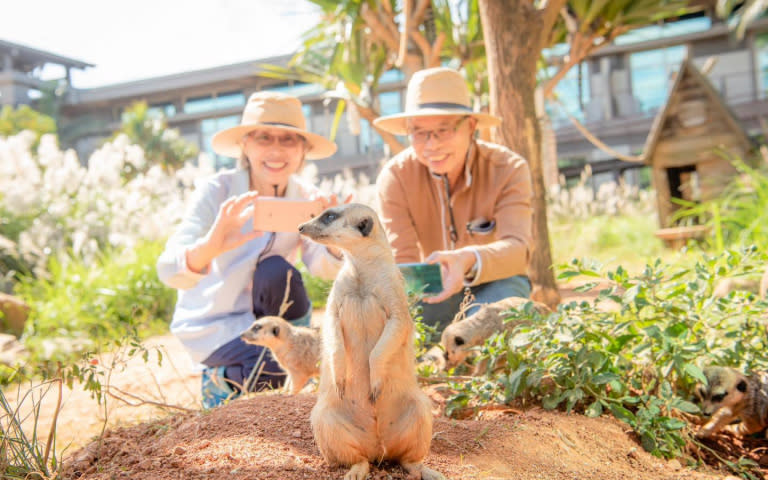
(422, 277)
(276, 214)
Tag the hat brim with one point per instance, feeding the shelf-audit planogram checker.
(228, 142)
(397, 123)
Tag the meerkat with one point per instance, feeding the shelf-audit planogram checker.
(369, 405)
(729, 395)
(458, 338)
(296, 349)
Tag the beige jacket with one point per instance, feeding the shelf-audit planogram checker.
(495, 185)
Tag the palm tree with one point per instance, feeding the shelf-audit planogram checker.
(357, 41)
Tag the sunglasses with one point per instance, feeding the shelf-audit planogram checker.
(287, 140)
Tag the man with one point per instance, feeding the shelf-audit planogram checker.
(453, 200)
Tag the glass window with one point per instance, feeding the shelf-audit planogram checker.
(391, 76)
(389, 104)
(570, 96)
(208, 127)
(218, 102)
(761, 45)
(297, 89)
(165, 109)
(651, 72)
(665, 30)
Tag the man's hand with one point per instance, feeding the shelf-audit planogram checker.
(225, 233)
(453, 265)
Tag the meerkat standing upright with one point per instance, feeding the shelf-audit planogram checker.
(369, 405)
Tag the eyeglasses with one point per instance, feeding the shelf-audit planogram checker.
(440, 134)
(287, 140)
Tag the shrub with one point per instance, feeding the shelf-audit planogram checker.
(637, 359)
(82, 305)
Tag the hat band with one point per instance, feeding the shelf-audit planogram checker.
(279, 124)
(445, 105)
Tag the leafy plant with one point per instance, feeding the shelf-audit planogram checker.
(162, 145)
(738, 216)
(85, 305)
(636, 351)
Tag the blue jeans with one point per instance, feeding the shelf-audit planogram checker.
(229, 368)
(441, 314)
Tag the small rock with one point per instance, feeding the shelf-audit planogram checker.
(179, 450)
(297, 434)
(675, 464)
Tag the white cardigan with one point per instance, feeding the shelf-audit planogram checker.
(214, 308)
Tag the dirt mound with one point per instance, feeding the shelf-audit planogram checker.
(268, 436)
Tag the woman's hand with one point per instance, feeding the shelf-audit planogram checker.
(453, 265)
(225, 233)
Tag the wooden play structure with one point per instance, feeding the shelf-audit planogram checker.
(688, 149)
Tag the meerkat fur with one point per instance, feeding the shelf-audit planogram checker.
(296, 349)
(369, 405)
(458, 338)
(729, 395)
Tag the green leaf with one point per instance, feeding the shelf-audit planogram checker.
(623, 414)
(594, 410)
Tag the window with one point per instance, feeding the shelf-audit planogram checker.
(571, 96)
(210, 126)
(297, 89)
(389, 104)
(218, 102)
(761, 45)
(166, 109)
(651, 72)
(665, 30)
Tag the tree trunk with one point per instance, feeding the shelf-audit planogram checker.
(515, 33)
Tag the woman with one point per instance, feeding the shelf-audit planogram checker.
(227, 274)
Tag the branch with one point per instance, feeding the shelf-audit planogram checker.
(394, 144)
(403, 50)
(420, 40)
(378, 29)
(141, 401)
(286, 304)
(596, 141)
(434, 58)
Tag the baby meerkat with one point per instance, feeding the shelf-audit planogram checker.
(729, 395)
(369, 406)
(296, 349)
(459, 337)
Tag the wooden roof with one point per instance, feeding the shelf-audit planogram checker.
(688, 71)
(30, 57)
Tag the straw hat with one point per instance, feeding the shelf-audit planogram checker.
(435, 91)
(272, 110)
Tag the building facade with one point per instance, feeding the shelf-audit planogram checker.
(616, 93)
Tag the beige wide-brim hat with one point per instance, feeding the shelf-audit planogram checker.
(271, 110)
(435, 92)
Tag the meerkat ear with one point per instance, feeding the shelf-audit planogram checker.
(276, 331)
(365, 226)
(742, 386)
(459, 341)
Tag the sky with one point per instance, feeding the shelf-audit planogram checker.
(138, 39)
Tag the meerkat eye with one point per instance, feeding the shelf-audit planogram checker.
(718, 398)
(458, 341)
(329, 217)
(276, 331)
